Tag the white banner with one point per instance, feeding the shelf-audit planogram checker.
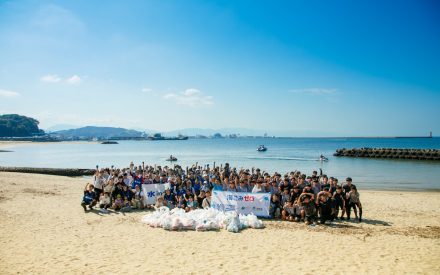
(151, 191)
(242, 203)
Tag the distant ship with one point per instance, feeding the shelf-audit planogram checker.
(158, 136)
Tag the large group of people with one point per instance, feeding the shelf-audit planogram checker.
(294, 196)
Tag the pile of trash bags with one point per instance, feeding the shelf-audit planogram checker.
(201, 220)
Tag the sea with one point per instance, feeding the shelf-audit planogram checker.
(283, 155)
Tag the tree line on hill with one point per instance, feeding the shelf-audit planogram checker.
(13, 125)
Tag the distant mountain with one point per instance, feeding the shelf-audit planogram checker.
(61, 127)
(99, 132)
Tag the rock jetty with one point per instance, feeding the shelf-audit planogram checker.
(390, 153)
(50, 171)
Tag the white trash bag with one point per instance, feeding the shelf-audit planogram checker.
(200, 220)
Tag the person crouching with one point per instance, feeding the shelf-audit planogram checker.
(89, 197)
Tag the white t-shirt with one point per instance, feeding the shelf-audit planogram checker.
(99, 182)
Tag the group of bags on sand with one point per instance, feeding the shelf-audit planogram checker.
(201, 220)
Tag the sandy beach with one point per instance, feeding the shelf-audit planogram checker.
(45, 230)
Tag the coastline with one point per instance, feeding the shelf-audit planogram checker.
(43, 223)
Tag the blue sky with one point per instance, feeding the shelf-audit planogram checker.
(357, 68)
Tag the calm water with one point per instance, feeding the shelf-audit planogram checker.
(283, 155)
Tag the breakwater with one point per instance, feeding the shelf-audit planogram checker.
(390, 153)
(50, 171)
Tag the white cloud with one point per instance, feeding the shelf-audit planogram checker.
(50, 78)
(6, 93)
(190, 97)
(74, 80)
(147, 90)
(315, 91)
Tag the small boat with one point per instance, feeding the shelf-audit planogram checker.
(109, 142)
(262, 148)
(171, 158)
(322, 158)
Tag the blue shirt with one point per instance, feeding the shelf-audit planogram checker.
(218, 187)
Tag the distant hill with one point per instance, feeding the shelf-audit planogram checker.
(99, 132)
(61, 127)
(14, 125)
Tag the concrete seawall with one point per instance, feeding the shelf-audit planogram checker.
(390, 153)
(50, 171)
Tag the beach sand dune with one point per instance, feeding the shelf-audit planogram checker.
(43, 229)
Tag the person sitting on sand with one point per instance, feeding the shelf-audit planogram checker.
(159, 202)
(297, 209)
(308, 212)
(207, 201)
(169, 199)
(137, 200)
(354, 201)
(104, 201)
(288, 213)
(89, 197)
(190, 204)
(275, 206)
(118, 202)
(181, 203)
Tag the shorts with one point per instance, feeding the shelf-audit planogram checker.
(339, 205)
(290, 212)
